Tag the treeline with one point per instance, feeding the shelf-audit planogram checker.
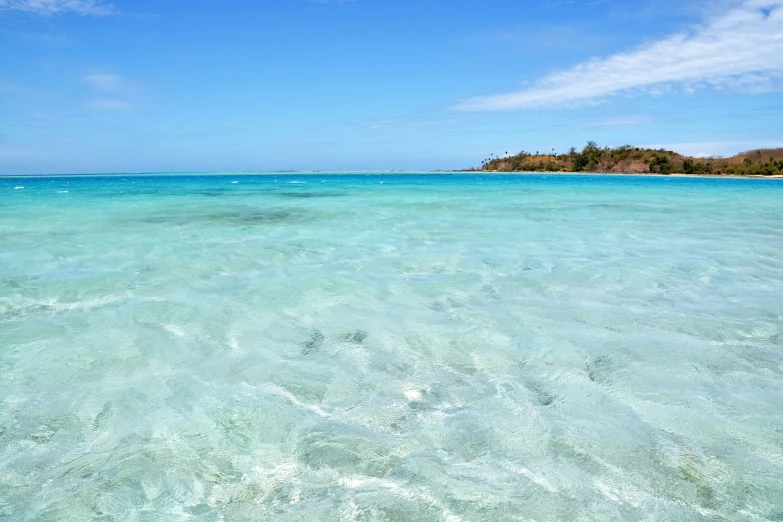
(635, 160)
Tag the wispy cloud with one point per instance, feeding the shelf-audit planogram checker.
(35, 38)
(742, 49)
(13, 153)
(105, 82)
(52, 7)
(112, 92)
(621, 121)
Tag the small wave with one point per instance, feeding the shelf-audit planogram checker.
(62, 191)
(282, 392)
(296, 182)
(413, 395)
(17, 188)
(174, 330)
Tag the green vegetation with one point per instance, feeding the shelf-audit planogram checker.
(634, 160)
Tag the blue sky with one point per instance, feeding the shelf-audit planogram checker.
(143, 86)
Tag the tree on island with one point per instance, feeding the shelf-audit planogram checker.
(636, 160)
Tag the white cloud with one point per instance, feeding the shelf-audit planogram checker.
(51, 7)
(111, 92)
(743, 48)
(104, 82)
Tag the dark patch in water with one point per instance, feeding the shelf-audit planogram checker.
(356, 337)
(599, 370)
(210, 193)
(446, 304)
(490, 291)
(236, 217)
(310, 194)
(313, 344)
(251, 217)
(706, 497)
(102, 418)
(163, 220)
(13, 282)
(544, 397)
(614, 206)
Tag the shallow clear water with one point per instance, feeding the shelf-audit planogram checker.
(453, 348)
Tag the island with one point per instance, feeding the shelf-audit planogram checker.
(635, 160)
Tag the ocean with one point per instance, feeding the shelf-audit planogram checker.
(408, 347)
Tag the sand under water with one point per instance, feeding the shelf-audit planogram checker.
(399, 348)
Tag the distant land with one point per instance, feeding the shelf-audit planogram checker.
(635, 160)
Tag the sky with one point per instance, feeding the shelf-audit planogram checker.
(91, 86)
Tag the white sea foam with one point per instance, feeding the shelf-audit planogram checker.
(174, 330)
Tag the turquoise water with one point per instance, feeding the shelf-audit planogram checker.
(399, 348)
